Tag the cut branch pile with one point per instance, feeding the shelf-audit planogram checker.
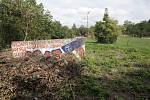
(31, 78)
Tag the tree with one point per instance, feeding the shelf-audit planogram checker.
(23, 20)
(106, 31)
(128, 28)
(91, 31)
(10, 16)
(75, 30)
(139, 29)
(82, 31)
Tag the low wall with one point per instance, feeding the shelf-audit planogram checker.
(58, 46)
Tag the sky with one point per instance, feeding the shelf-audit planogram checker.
(75, 11)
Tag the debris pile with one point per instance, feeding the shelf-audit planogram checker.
(31, 78)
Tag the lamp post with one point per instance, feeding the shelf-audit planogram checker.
(88, 22)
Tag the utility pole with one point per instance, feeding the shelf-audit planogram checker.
(88, 23)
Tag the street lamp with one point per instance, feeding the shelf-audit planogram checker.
(88, 22)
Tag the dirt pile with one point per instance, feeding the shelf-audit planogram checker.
(33, 79)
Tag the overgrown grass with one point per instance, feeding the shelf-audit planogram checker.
(119, 71)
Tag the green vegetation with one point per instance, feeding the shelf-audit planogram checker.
(27, 20)
(106, 31)
(117, 71)
(140, 29)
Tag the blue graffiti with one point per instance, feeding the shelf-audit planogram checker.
(68, 48)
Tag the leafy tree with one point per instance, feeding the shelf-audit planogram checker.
(91, 31)
(75, 30)
(10, 21)
(82, 31)
(128, 27)
(139, 29)
(23, 20)
(59, 32)
(56, 30)
(106, 31)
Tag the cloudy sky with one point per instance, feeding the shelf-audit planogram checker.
(75, 11)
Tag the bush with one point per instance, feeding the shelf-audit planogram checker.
(106, 31)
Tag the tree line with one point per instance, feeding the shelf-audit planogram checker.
(27, 20)
(107, 30)
(140, 29)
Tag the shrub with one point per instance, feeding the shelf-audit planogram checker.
(106, 31)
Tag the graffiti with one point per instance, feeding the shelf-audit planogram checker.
(47, 48)
(57, 52)
(37, 53)
(54, 60)
(72, 46)
(47, 54)
(67, 48)
(52, 52)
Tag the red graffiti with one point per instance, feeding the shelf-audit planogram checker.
(37, 53)
(47, 54)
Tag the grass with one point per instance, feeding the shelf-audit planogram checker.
(119, 71)
(133, 41)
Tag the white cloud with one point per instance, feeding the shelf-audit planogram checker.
(75, 11)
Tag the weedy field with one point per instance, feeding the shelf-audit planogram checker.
(119, 71)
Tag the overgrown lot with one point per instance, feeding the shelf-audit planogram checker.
(119, 71)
